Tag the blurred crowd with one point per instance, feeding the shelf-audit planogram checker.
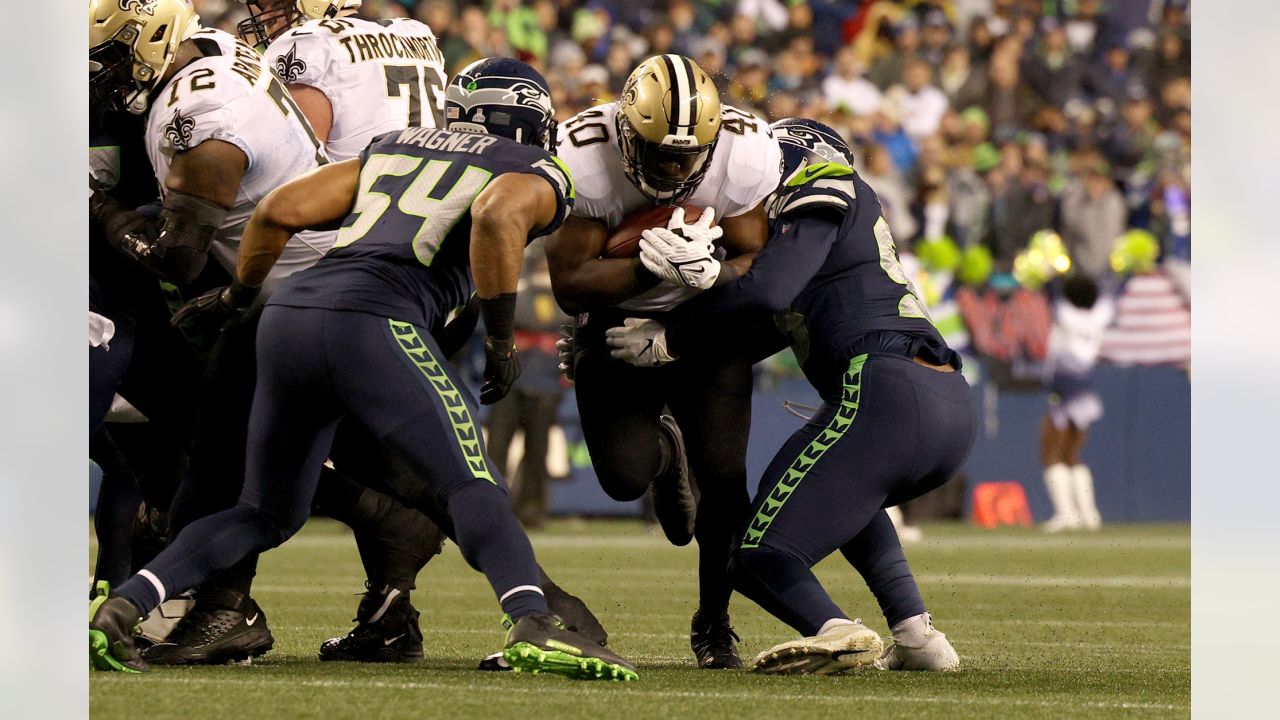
(983, 121)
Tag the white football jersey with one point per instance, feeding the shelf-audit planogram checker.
(379, 75)
(226, 96)
(745, 168)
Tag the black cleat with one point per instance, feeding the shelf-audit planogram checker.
(209, 635)
(714, 642)
(575, 614)
(386, 632)
(113, 621)
(541, 644)
(673, 500)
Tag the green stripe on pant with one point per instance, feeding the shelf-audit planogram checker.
(464, 429)
(799, 468)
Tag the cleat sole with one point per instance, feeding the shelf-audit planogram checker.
(528, 658)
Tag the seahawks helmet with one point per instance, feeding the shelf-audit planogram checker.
(668, 123)
(132, 43)
(808, 142)
(269, 19)
(502, 96)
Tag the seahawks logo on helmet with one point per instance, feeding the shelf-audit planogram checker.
(178, 132)
(288, 67)
(832, 149)
(517, 91)
(139, 6)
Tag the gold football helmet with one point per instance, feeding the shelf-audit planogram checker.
(131, 45)
(668, 124)
(269, 19)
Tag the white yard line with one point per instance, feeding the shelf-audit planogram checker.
(579, 689)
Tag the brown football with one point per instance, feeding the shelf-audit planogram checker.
(624, 240)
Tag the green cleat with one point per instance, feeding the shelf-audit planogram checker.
(112, 625)
(541, 644)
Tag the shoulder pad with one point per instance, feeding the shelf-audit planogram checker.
(828, 184)
(301, 55)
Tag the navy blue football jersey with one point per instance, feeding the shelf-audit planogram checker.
(404, 251)
(831, 261)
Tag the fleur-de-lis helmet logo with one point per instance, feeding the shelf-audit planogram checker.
(288, 67)
(178, 132)
(139, 6)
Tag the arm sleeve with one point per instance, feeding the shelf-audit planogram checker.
(796, 250)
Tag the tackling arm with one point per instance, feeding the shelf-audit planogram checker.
(313, 200)
(503, 216)
(794, 254)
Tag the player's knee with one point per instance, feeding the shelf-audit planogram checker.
(625, 479)
(274, 528)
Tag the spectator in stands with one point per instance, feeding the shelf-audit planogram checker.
(1093, 216)
(1052, 71)
(895, 197)
(847, 88)
(964, 84)
(888, 70)
(935, 38)
(920, 103)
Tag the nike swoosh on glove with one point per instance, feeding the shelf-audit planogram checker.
(641, 342)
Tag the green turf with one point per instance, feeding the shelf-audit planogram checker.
(1093, 626)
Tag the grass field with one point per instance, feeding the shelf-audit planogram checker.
(1093, 626)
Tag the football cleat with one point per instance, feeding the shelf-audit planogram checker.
(673, 500)
(157, 625)
(540, 643)
(112, 624)
(926, 649)
(840, 649)
(496, 662)
(387, 631)
(714, 642)
(575, 614)
(209, 635)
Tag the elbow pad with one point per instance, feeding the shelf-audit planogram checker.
(188, 225)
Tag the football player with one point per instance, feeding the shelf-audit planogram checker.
(667, 141)
(425, 211)
(220, 133)
(355, 79)
(896, 420)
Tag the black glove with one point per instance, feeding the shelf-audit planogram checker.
(216, 307)
(564, 348)
(501, 368)
(130, 232)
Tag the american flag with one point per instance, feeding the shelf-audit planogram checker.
(1153, 324)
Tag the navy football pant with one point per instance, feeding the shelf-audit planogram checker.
(314, 367)
(899, 431)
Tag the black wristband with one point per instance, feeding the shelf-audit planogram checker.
(499, 315)
(238, 295)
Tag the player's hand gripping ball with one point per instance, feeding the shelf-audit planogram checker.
(683, 254)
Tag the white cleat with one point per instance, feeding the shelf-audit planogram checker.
(840, 649)
(1059, 523)
(921, 647)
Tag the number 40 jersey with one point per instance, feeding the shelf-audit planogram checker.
(745, 167)
(379, 75)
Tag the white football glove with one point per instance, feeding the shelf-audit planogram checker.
(702, 231)
(641, 342)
